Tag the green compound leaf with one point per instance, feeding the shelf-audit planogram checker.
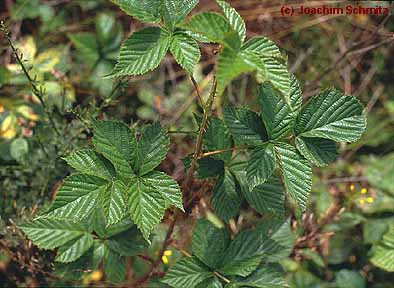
(235, 20)
(217, 137)
(262, 46)
(143, 10)
(230, 64)
(52, 233)
(114, 202)
(267, 198)
(226, 200)
(86, 44)
(187, 273)
(270, 65)
(212, 282)
(87, 161)
(127, 243)
(174, 11)
(152, 148)
(319, 151)
(281, 237)
(244, 254)
(211, 25)
(77, 197)
(261, 165)
(209, 243)
(332, 116)
(185, 51)
(279, 117)
(166, 186)
(263, 277)
(146, 205)
(74, 249)
(245, 125)
(142, 52)
(296, 172)
(383, 252)
(114, 266)
(117, 143)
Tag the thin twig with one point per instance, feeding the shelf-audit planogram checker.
(211, 153)
(200, 100)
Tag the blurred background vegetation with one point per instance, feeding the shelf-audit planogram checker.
(68, 45)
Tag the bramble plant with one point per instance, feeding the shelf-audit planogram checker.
(108, 208)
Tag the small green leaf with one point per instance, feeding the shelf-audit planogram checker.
(166, 186)
(296, 172)
(319, 151)
(185, 51)
(235, 20)
(146, 205)
(117, 143)
(209, 24)
(87, 161)
(279, 117)
(77, 197)
(152, 148)
(226, 200)
(174, 11)
(267, 198)
(143, 10)
(209, 243)
(245, 125)
(217, 137)
(109, 32)
(87, 46)
(331, 115)
(52, 233)
(261, 165)
(19, 149)
(114, 202)
(142, 52)
(187, 273)
(74, 249)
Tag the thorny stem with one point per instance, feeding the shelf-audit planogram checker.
(197, 152)
(37, 92)
(203, 125)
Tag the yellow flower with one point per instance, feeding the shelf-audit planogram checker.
(364, 191)
(352, 187)
(1, 108)
(166, 254)
(164, 259)
(96, 275)
(361, 201)
(370, 199)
